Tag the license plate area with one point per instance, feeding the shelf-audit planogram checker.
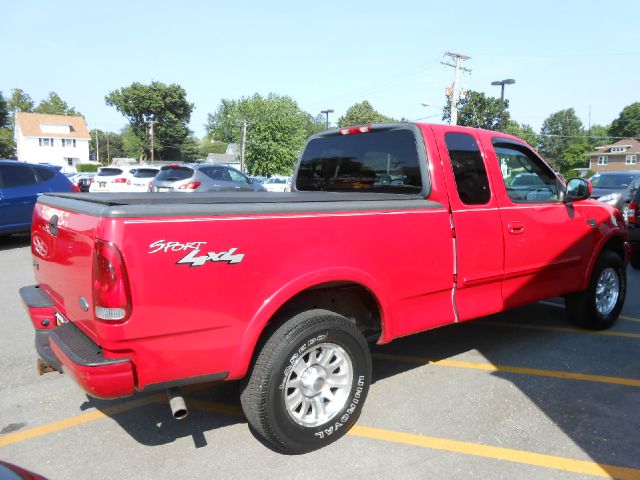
(164, 189)
(60, 319)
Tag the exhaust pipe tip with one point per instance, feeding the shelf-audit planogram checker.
(177, 404)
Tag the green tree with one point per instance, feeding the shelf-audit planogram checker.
(167, 105)
(478, 111)
(276, 131)
(132, 146)
(560, 131)
(111, 146)
(627, 125)
(54, 105)
(208, 145)
(522, 131)
(20, 101)
(599, 135)
(362, 113)
(7, 144)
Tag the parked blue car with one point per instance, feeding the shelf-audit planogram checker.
(20, 184)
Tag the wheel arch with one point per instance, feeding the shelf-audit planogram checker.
(614, 242)
(353, 294)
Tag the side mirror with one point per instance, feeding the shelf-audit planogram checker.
(578, 189)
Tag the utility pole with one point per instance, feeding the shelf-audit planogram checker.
(151, 123)
(459, 59)
(243, 144)
(108, 153)
(326, 112)
(97, 147)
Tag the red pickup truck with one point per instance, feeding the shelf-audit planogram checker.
(391, 229)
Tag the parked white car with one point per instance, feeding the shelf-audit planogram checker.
(140, 178)
(111, 179)
(277, 184)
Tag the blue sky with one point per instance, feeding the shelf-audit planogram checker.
(328, 54)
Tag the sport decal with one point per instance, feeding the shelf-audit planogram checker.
(194, 256)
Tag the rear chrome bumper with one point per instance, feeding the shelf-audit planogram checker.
(67, 348)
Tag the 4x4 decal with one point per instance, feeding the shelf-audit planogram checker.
(194, 258)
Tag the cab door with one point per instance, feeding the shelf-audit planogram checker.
(476, 223)
(546, 241)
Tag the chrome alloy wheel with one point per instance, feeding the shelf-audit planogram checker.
(607, 291)
(318, 385)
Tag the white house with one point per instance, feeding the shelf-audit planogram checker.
(54, 139)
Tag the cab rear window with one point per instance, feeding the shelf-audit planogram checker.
(376, 161)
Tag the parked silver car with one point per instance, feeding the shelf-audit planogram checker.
(202, 178)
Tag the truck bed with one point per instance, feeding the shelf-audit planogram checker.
(122, 205)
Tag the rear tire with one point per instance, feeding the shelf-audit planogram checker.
(308, 383)
(599, 305)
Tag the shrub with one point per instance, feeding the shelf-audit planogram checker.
(86, 167)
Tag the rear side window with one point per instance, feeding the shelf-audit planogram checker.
(216, 173)
(174, 174)
(526, 177)
(377, 161)
(110, 172)
(44, 174)
(468, 169)
(13, 176)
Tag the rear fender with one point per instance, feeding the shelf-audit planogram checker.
(273, 303)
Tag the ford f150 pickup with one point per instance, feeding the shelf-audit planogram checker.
(390, 229)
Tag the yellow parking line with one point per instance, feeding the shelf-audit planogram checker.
(606, 333)
(631, 319)
(516, 456)
(74, 421)
(630, 382)
(434, 443)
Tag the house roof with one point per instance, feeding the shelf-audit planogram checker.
(30, 125)
(631, 144)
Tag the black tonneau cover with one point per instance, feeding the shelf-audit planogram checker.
(136, 205)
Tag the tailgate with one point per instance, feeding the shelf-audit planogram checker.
(62, 244)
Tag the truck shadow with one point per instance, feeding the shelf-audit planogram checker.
(595, 416)
(211, 406)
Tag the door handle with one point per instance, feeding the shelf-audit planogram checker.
(515, 227)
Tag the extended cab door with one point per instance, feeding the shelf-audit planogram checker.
(476, 223)
(546, 242)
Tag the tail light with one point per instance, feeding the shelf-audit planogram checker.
(111, 297)
(190, 186)
(632, 213)
(75, 187)
(351, 131)
(120, 180)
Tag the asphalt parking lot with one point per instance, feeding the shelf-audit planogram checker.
(519, 395)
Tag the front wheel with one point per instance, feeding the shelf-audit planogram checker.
(599, 305)
(308, 383)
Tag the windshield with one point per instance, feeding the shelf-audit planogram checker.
(612, 181)
(377, 161)
(172, 174)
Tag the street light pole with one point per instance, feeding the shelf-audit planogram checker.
(326, 123)
(502, 83)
